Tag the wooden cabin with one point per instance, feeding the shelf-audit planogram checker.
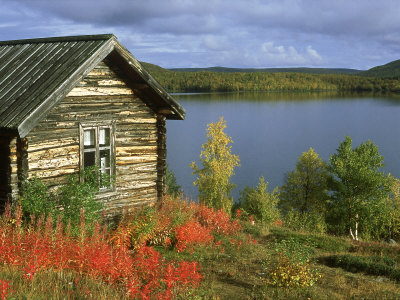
(67, 103)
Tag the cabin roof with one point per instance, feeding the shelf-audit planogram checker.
(35, 74)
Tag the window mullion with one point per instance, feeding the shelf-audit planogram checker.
(97, 151)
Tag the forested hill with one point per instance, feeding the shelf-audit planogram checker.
(207, 81)
(271, 70)
(154, 68)
(391, 69)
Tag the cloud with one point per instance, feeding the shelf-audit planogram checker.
(313, 54)
(155, 15)
(215, 43)
(222, 32)
(278, 55)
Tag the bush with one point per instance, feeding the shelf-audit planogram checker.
(290, 265)
(260, 203)
(144, 273)
(76, 196)
(176, 224)
(36, 199)
(308, 221)
(67, 201)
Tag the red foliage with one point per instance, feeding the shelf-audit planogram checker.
(125, 258)
(217, 220)
(4, 289)
(143, 272)
(190, 234)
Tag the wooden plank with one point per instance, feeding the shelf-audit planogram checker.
(52, 143)
(54, 163)
(53, 172)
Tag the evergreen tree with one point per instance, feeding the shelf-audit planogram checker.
(173, 188)
(304, 189)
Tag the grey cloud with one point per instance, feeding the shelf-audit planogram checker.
(173, 33)
(176, 16)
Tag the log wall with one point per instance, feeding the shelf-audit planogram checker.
(8, 169)
(53, 145)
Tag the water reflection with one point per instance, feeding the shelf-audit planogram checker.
(280, 96)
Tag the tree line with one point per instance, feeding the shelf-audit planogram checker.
(205, 81)
(347, 195)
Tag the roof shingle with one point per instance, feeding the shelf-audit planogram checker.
(35, 74)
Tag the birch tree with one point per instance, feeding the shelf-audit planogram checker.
(359, 185)
(217, 168)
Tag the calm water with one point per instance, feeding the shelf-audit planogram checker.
(270, 131)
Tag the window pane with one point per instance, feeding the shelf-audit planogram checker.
(88, 137)
(105, 170)
(104, 136)
(89, 159)
(104, 160)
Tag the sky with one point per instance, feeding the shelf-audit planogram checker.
(357, 34)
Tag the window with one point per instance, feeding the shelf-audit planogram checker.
(97, 151)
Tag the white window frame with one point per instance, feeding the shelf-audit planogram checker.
(96, 126)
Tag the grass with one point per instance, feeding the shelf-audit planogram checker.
(239, 268)
(239, 275)
(52, 284)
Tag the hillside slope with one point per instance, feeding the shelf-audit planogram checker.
(272, 70)
(388, 70)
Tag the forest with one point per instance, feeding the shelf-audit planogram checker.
(206, 81)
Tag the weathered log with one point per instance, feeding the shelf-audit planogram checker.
(53, 145)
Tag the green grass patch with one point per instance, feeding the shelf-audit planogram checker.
(376, 248)
(321, 242)
(371, 265)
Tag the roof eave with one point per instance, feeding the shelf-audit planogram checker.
(177, 112)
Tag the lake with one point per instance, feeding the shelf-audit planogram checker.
(270, 131)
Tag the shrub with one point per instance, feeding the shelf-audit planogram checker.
(290, 266)
(190, 234)
(285, 273)
(218, 221)
(260, 203)
(5, 289)
(308, 221)
(144, 272)
(175, 223)
(77, 195)
(36, 199)
(67, 201)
